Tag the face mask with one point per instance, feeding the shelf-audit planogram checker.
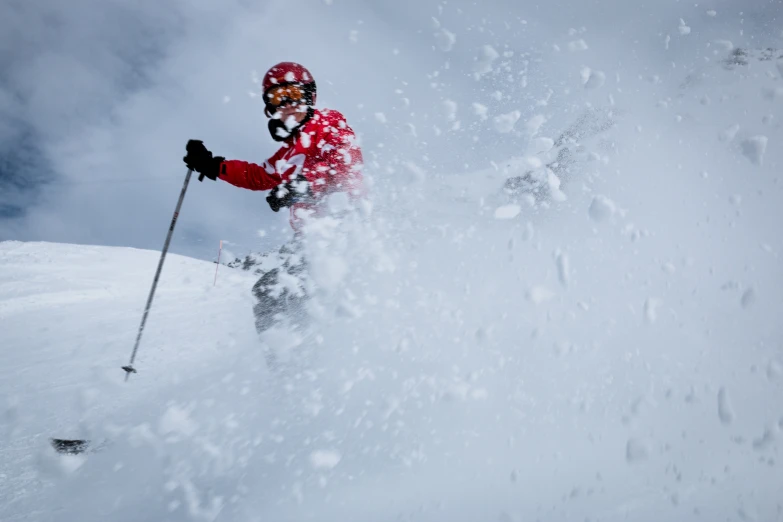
(282, 130)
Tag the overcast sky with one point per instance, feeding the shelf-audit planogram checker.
(98, 97)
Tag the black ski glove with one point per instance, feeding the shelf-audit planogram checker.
(288, 193)
(200, 159)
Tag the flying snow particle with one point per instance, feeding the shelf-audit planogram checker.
(651, 309)
(774, 370)
(534, 124)
(380, 117)
(226, 99)
(592, 79)
(505, 122)
(577, 45)
(540, 294)
(480, 110)
(601, 208)
(748, 298)
(563, 268)
(684, 29)
(325, 459)
(636, 450)
(353, 36)
(445, 40)
(728, 134)
(725, 412)
(754, 148)
(507, 212)
(725, 45)
(712, 13)
(485, 60)
(177, 421)
(541, 145)
(764, 442)
(450, 109)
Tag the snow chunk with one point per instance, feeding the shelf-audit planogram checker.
(725, 45)
(380, 117)
(534, 124)
(601, 208)
(450, 109)
(325, 459)
(577, 45)
(485, 60)
(507, 212)
(563, 268)
(445, 40)
(592, 79)
(480, 110)
(651, 309)
(636, 450)
(728, 134)
(540, 294)
(712, 13)
(754, 148)
(177, 421)
(505, 122)
(725, 412)
(684, 29)
(774, 370)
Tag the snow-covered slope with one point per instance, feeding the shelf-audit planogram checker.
(68, 318)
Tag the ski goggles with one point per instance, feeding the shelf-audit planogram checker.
(284, 94)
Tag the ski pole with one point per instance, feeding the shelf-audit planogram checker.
(129, 369)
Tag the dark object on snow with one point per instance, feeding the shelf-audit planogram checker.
(200, 159)
(70, 446)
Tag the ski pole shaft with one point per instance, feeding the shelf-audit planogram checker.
(129, 368)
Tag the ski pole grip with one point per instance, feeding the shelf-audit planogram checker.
(201, 177)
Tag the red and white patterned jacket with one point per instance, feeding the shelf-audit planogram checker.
(324, 151)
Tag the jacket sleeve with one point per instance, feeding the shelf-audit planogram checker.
(340, 160)
(249, 175)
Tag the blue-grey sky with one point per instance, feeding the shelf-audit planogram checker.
(97, 98)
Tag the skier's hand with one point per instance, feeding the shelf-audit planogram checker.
(288, 193)
(200, 159)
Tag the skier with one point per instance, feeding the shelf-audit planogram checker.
(318, 158)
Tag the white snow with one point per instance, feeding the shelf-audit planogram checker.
(592, 79)
(533, 125)
(504, 123)
(446, 40)
(450, 110)
(507, 212)
(754, 148)
(601, 208)
(325, 459)
(728, 134)
(485, 60)
(725, 411)
(683, 28)
(577, 45)
(480, 110)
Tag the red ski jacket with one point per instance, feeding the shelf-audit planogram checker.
(324, 151)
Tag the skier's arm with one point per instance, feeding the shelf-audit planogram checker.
(250, 176)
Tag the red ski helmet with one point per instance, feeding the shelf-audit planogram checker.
(290, 73)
